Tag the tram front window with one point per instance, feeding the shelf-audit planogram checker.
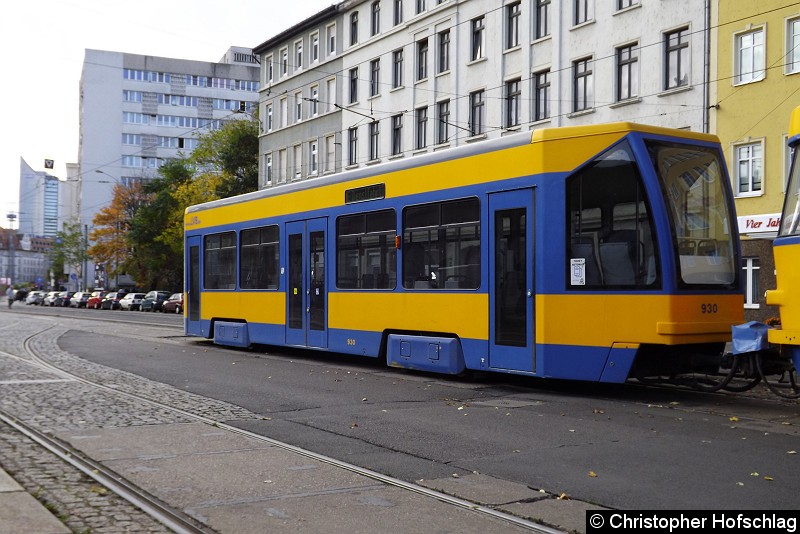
(790, 220)
(699, 209)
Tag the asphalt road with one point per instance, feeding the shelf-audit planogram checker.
(617, 446)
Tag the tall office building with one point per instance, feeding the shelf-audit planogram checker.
(38, 202)
(138, 111)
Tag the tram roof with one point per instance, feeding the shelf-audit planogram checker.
(541, 135)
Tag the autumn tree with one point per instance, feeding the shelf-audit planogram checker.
(111, 227)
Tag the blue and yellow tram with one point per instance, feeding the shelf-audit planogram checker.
(591, 253)
(786, 249)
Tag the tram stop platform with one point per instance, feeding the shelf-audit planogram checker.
(21, 513)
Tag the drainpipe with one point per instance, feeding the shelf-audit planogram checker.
(707, 68)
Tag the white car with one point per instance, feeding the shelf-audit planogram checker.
(50, 298)
(35, 298)
(131, 301)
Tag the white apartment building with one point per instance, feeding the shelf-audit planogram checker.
(138, 111)
(367, 81)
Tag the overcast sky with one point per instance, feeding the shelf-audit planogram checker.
(43, 43)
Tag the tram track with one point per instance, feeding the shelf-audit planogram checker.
(181, 522)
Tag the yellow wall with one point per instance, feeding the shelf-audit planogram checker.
(757, 110)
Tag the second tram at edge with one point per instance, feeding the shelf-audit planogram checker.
(597, 253)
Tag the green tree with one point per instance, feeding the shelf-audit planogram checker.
(233, 152)
(155, 262)
(69, 250)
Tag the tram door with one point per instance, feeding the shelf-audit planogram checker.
(307, 297)
(192, 286)
(511, 282)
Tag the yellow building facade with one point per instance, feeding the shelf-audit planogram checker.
(756, 86)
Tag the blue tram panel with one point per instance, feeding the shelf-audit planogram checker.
(596, 253)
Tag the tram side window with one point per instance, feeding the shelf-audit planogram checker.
(366, 257)
(219, 261)
(611, 241)
(258, 266)
(442, 245)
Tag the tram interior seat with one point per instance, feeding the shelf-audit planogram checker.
(618, 257)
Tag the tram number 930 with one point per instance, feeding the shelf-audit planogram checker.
(709, 308)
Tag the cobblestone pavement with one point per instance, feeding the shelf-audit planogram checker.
(51, 403)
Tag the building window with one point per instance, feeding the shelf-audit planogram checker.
(421, 130)
(313, 157)
(268, 168)
(352, 146)
(398, 12)
(374, 140)
(478, 45)
(793, 46)
(331, 94)
(542, 18)
(375, 26)
(442, 121)
(269, 70)
(749, 57)
(582, 85)
(420, 6)
(284, 112)
(374, 77)
(283, 162)
(397, 134)
(676, 59)
(512, 25)
(331, 39)
(298, 107)
(269, 118)
(788, 153)
(314, 101)
(627, 72)
(298, 161)
(284, 62)
(444, 52)
(354, 28)
(397, 68)
(477, 110)
(623, 4)
(315, 48)
(749, 168)
(354, 85)
(422, 59)
(583, 11)
(750, 271)
(542, 95)
(298, 55)
(513, 98)
(330, 153)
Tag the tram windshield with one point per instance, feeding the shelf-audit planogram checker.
(692, 179)
(790, 220)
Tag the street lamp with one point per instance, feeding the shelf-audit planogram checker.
(115, 181)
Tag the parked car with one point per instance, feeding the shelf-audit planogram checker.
(111, 300)
(173, 304)
(50, 297)
(35, 298)
(79, 299)
(131, 301)
(95, 299)
(154, 300)
(62, 299)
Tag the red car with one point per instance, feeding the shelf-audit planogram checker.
(173, 304)
(95, 299)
